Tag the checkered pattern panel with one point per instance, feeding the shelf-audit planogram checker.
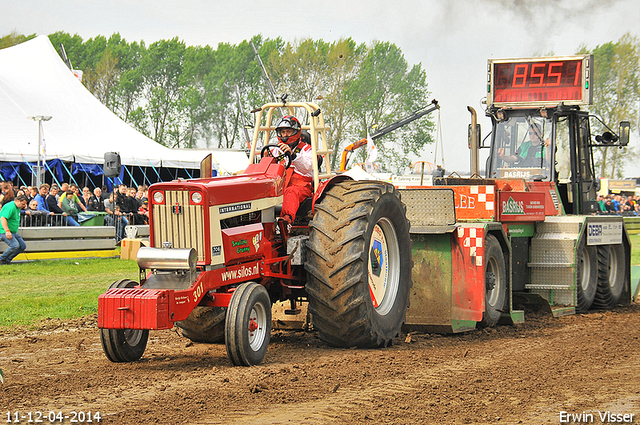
(486, 196)
(472, 241)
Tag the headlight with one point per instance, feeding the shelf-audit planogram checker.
(196, 197)
(158, 197)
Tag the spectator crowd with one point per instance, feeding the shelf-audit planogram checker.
(628, 206)
(53, 205)
(64, 205)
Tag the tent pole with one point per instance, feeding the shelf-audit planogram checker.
(154, 169)
(53, 175)
(39, 119)
(131, 175)
(145, 179)
(69, 173)
(89, 177)
(18, 172)
(30, 169)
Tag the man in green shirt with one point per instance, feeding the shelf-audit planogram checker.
(9, 223)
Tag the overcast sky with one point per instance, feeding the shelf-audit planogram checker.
(452, 39)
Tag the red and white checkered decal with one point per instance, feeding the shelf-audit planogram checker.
(472, 240)
(486, 196)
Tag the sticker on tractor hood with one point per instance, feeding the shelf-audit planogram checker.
(234, 208)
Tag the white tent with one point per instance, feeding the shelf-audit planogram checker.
(34, 81)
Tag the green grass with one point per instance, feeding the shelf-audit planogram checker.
(63, 289)
(60, 289)
(635, 250)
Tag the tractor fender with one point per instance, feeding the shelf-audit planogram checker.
(322, 188)
(355, 173)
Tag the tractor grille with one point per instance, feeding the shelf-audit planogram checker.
(179, 223)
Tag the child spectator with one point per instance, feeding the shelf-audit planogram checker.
(143, 211)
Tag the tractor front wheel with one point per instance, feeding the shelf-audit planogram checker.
(586, 275)
(495, 277)
(124, 345)
(248, 325)
(611, 275)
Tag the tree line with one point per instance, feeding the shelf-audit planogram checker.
(182, 96)
(616, 97)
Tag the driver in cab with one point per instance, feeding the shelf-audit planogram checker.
(530, 154)
(299, 177)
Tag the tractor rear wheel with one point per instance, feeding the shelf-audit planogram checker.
(586, 275)
(248, 325)
(611, 275)
(204, 324)
(495, 282)
(359, 265)
(124, 345)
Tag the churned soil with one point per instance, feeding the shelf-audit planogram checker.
(527, 373)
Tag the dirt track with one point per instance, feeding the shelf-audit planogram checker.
(512, 374)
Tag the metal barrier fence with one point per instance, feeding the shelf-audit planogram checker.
(71, 238)
(42, 219)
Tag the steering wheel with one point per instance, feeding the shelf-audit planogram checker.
(267, 151)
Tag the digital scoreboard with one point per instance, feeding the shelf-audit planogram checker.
(540, 81)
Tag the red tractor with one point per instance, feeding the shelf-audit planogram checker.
(218, 259)
(478, 248)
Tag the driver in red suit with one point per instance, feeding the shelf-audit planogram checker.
(299, 177)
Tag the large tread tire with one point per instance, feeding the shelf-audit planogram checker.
(611, 276)
(124, 345)
(248, 325)
(495, 272)
(586, 275)
(204, 324)
(356, 297)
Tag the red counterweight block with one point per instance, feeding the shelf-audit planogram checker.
(134, 308)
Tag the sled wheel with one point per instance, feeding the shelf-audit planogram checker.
(611, 276)
(248, 325)
(495, 277)
(359, 264)
(586, 275)
(204, 324)
(124, 345)
(284, 157)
